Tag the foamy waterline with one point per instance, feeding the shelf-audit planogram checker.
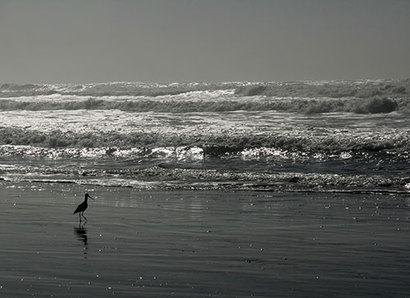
(176, 178)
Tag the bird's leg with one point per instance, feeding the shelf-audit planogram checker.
(82, 213)
(79, 216)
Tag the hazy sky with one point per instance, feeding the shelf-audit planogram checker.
(202, 40)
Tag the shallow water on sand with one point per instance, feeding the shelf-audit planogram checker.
(197, 244)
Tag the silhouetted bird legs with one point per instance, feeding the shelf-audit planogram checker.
(82, 214)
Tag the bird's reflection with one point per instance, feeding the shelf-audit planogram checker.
(81, 233)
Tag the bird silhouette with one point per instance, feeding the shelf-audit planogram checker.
(82, 207)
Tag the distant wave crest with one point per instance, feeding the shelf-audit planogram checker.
(293, 97)
(307, 106)
(332, 89)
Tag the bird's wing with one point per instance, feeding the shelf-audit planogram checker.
(78, 209)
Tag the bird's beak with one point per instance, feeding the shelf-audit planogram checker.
(91, 197)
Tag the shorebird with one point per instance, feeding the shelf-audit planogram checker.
(82, 207)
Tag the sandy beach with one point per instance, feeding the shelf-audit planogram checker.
(201, 244)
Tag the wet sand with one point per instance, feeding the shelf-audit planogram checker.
(201, 244)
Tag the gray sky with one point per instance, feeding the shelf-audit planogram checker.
(48, 41)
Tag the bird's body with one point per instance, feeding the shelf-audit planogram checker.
(82, 207)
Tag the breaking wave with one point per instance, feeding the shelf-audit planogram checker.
(332, 89)
(141, 144)
(297, 97)
(110, 89)
(307, 106)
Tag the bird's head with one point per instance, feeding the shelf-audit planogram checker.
(88, 196)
